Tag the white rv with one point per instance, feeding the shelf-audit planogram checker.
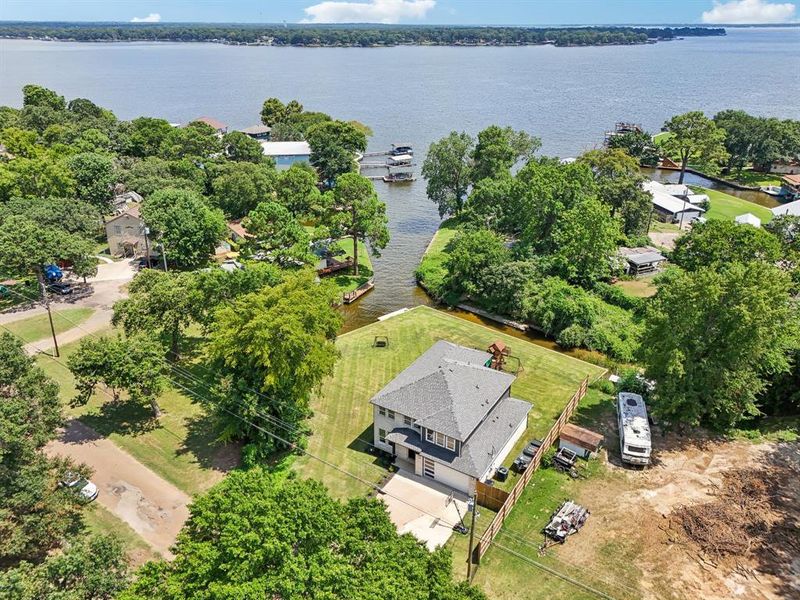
(634, 430)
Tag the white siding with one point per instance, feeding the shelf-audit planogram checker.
(381, 422)
(454, 479)
(501, 456)
(582, 452)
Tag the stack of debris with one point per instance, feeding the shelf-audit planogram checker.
(568, 519)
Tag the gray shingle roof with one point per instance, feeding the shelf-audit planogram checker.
(447, 389)
(481, 449)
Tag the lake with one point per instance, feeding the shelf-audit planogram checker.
(566, 96)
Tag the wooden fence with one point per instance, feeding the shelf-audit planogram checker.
(497, 523)
(490, 496)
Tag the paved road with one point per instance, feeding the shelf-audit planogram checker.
(153, 507)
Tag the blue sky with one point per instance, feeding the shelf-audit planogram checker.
(518, 12)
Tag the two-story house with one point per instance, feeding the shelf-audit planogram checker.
(449, 416)
(126, 233)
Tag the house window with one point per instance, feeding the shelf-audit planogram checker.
(428, 468)
(429, 436)
(440, 437)
(117, 229)
(451, 444)
(381, 411)
(382, 436)
(391, 414)
(408, 421)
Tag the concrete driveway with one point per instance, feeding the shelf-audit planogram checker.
(153, 507)
(419, 506)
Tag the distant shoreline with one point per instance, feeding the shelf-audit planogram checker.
(353, 36)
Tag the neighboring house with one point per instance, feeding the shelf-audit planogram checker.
(126, 233)
(671, 208)
(236, 231)
(286, 154)
(792, 208)
(748, 219)
(121, 201)
(218, 126)
(643, 260)
(449, 417)
(257, 132)
(786, 167)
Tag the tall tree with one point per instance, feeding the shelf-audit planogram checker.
(35, 515)
(448, 171)
(196, 140)
(36, 95)
(133, 365)
(158, 304)
(619, 185)
(271, 348)
(187, 227)
(297, 190)
(240, 187)
(359, 214)
(334, 145)
(695, 138)
(146, 136)
(276, 232)
(273, 112)
(718, 242)
(639, 144)
(585, 239)
(255, 535)
(470, 256)
(712, 339)
(498, 149)
(241, 147)
(94, 178)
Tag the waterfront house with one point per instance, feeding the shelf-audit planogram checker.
(790, 186)
(126, 233)
(449, 416)
(670, 208)
(121, 201)
(257, 132)
(285, 154)
(218, 126)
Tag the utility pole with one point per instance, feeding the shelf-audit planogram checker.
(46, 301)
(147, 245)
(164, 256)
(474, 501)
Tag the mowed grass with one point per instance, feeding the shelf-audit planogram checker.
(342, 422)
(640, 288)
(727, 207)
(346, 280)
(180, 446)
(37, 328)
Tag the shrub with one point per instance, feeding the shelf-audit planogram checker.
(616, 295)
(632, 381)
(573, 336)
(604, 385)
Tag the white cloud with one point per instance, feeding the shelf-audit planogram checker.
(749, 12)
(151, 18)
(372, 11)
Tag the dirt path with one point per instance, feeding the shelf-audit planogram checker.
(153, 507)
(99, 320)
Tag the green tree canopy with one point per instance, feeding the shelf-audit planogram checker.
(713, 338)
(639, 144)
(697, 140)
(36, 95)
(196, 139)
(158, 303)
(334, 145)
(498, 149)
(297, 190)
(719, 243)
(448, 171)
(271, 348)
(185, 224)
(240, 187)
(94, 178)
(146, 136)
(359, 214)
(471, 255)
(241, 147)
(276, 232)
(257, 536)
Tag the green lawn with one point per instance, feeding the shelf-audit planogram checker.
(640, 288)
(662, 137)
(342, 419)
(754, 178)
(346, 281)
(180, 446)
(38, 327)
(727, 207)
(431, 271)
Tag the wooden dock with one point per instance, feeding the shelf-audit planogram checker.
(350, 297)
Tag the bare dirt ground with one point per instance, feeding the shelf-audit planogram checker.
(153, 507)
(634, 519)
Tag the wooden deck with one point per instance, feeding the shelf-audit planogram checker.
(351, 297)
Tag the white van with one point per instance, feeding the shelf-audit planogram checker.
(634, 429)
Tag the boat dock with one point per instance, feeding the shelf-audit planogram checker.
(399, 163)
(350, 297)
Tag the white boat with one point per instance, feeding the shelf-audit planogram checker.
(634, 429)
(772, 190)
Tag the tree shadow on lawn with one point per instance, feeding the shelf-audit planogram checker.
(202, 442)
(125, 417)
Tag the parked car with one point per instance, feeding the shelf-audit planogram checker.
(80, 485)
(53, 273)
(142, 263)
(521, 463)
(61, 288)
